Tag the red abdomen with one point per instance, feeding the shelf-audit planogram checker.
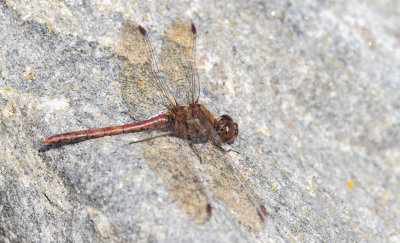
(158, 122)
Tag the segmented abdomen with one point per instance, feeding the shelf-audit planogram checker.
(158, 122)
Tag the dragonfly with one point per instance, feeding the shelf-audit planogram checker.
(185, 116)
(176, 83)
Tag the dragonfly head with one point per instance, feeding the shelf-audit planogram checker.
(227, 129)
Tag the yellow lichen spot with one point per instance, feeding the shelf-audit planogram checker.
(7, 89)
(258, 150)
(91, 208)
(290, 122)
(30, 74)
(274, 188)
(10, 113)
(146, 15)
(297, 155)
(385, 192)
(259, 132)
(350, 184)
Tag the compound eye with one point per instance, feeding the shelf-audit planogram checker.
(227, 129)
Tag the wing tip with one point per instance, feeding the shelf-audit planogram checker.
(142, 30)
(263, 210)
(194, 29)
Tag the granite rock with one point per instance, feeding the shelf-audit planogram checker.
(314, 87)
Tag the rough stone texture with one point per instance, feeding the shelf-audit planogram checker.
(314, 86)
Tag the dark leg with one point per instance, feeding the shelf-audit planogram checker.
(195, 151)
(223, 150)
(231, 150)
(151, 138)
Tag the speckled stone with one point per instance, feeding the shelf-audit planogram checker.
(314, 87)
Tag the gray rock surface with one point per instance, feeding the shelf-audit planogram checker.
(314, 86)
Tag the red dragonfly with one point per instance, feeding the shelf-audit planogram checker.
(177, 84)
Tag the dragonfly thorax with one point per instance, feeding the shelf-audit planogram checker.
(197, 122)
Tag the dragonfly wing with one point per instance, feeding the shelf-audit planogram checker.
(178, 59)
(142, 85)
(180, 179)
(230, 188)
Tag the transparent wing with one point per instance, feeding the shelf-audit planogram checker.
(179, 178)
(232, 189)
(178, 56)
(143, 87)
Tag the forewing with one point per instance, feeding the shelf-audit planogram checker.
(140, 80)
(178, 59)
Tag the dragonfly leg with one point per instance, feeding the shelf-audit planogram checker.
(224, 150)
(231, 150)
(195, 151)
(151, 138)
